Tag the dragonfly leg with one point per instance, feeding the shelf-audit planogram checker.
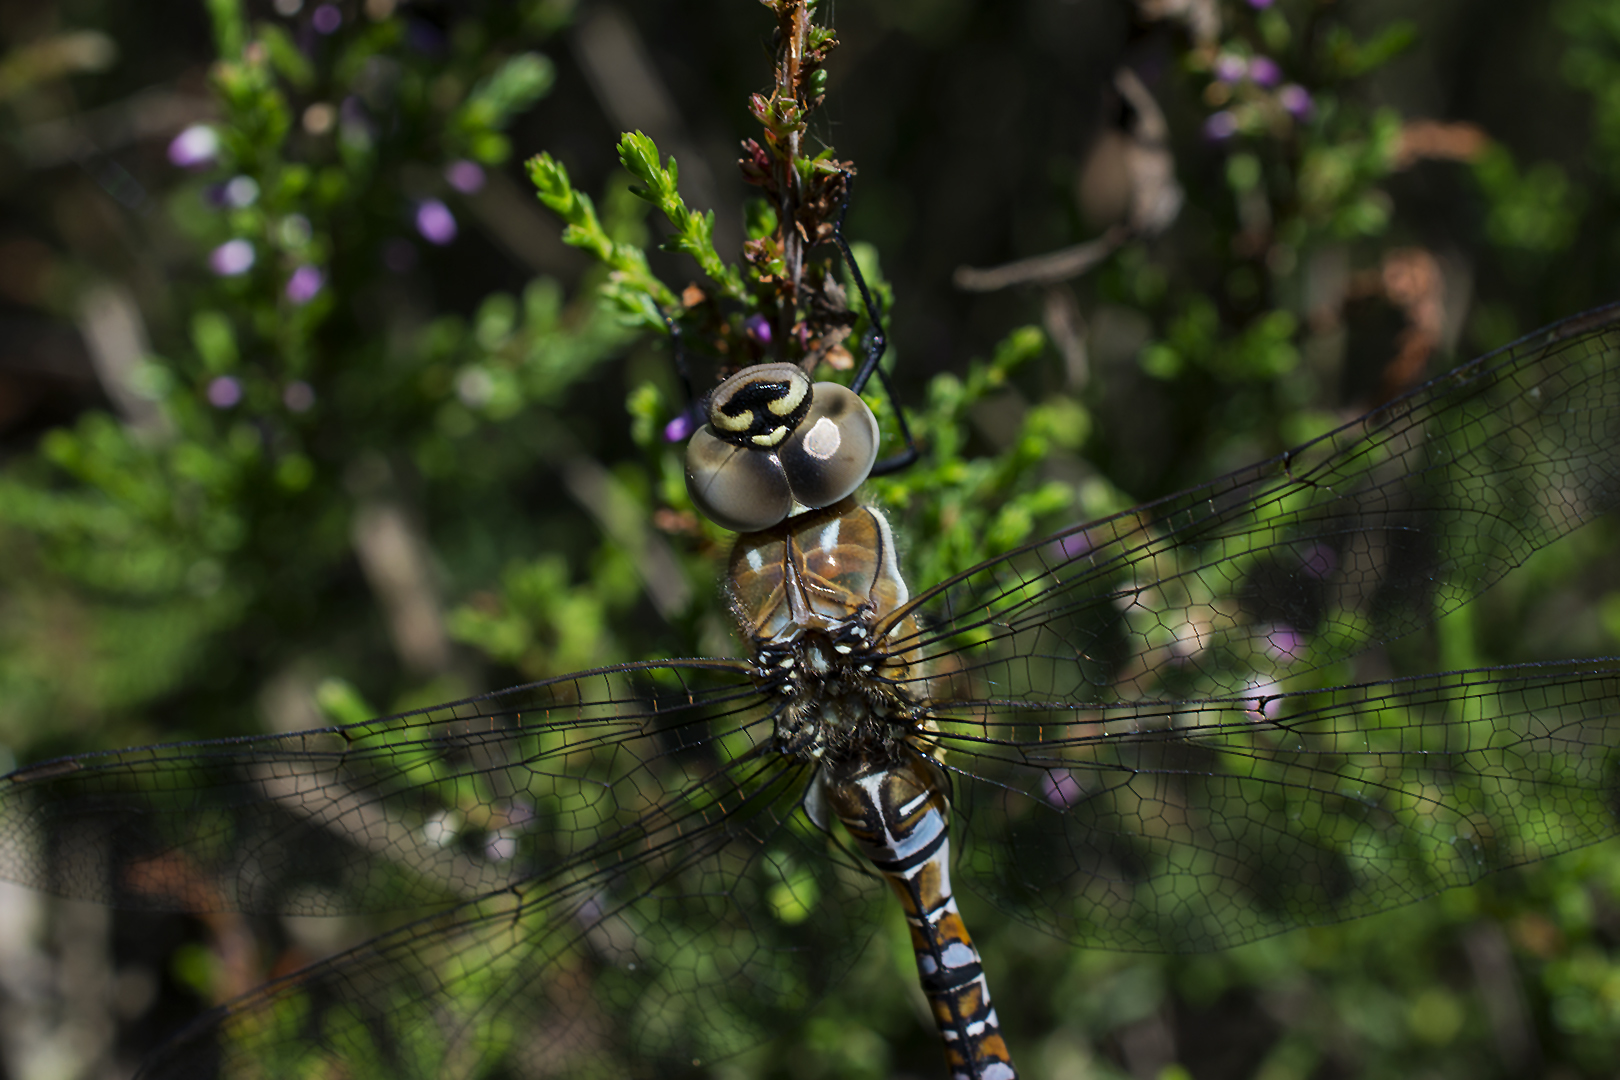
(875, 344)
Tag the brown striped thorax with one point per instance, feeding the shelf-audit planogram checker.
(775, 443)
(813, 596)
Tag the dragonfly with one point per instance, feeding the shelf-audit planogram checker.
(1117, 734)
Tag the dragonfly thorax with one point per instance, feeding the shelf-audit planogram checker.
(816, 596)
(840, 697)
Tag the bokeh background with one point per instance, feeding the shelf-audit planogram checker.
(307, 414)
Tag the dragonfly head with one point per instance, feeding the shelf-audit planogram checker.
(775, 443)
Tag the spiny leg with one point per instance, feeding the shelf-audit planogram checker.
(875, 344)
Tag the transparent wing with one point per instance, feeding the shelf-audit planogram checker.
(1164, 626)
(1197, 825)
(1361, 536)
(619, 883)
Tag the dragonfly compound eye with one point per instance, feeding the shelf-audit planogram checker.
(773, 442)
(832, 450)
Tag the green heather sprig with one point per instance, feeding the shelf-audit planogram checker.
(694, 231)
(510, 89)
(781, 282)
(632, 285)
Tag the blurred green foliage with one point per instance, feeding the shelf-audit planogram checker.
(329, 349)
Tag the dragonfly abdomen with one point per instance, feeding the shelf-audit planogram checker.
(898, 812)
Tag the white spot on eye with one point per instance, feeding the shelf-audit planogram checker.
(823, 439)
(829, 535)
(756, 561)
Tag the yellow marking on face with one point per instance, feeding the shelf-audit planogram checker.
(796, 390)
(741, 422)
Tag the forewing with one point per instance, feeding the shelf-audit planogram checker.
(622, 883)
(1359, 537)
(1227, 591)
(426, 807)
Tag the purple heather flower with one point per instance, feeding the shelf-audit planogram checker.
(435, 222)
(240, 191)
(1074, 545)
(224, 392)
(232, 257)
(1220, 126)
(194, 148)
(1260, 3)
(1060, 788)
(521, 812)
(587, 914)
(1296, 99)
(465, 176)
(1264, 71)
(298, 396)
(306, 281)
(1230, 68)
(1285, 643)
(758, 327)
(326, 19)
(1319, 561)
(680, 429)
